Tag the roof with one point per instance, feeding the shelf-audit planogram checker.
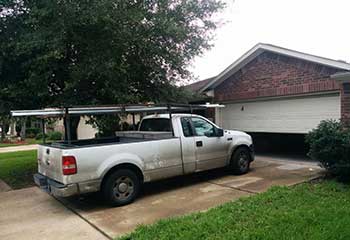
(196, 86)
(262, 47)
(341, 76)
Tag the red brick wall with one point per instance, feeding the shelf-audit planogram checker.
(210, 114)
(345, 103)
(271, 74)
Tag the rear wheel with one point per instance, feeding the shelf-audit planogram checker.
(121, 187)
(240, 161)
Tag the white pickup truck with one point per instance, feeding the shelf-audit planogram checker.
(164, 146)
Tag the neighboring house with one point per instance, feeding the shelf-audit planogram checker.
(202, 97)
(84, 130)
(272, 91)
(30, 123)
(87, 131)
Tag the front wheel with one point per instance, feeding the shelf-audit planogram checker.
(121, 187)
(240, 161)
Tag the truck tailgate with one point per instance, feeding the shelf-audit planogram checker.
(50, 162)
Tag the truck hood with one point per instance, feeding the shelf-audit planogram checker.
(235, 133)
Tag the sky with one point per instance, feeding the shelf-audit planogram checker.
(318, 27)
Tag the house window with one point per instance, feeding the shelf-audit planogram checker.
(37, 124)
(346, 87)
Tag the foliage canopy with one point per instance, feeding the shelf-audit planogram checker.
(63, 52)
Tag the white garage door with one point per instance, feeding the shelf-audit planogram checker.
(293, 115)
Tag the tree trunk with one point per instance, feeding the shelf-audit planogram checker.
(74, 123)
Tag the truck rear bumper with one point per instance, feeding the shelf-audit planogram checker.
(55, 188)
(62, 190)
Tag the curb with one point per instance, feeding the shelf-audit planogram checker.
(4, 187)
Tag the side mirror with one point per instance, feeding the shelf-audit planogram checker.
(219, 132)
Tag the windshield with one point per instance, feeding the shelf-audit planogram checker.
(155, 125)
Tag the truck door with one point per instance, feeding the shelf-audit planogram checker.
(188, 145)
(211, 150)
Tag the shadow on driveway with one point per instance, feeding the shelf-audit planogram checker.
(192, 193)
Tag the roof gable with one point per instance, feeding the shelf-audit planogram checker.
(260, 48)
(196, 86)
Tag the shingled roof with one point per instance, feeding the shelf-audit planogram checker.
(262, 47)
(196, 86)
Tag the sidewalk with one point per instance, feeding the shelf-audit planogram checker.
(19, 148)
(32, 214)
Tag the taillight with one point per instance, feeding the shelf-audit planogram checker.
(69, 165)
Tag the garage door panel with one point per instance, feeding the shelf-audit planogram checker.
(294, 115)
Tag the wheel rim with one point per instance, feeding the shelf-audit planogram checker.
(243, 161)
(123, 188)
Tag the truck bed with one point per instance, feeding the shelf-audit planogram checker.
(120, 138)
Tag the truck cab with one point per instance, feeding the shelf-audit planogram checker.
(204, 144)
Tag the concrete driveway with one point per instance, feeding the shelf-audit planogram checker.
(30, 212)
(198, 192)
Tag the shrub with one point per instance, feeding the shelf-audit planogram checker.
(40, 136)
(55, 135)
(330, 144)
(126, 126)
(107, 125)
(32, 132)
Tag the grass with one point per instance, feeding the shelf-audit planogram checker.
(17, 168)
(307, 211)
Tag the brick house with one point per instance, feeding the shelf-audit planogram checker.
(278, 95)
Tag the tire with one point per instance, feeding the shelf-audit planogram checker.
(240, 161)
(121, 187)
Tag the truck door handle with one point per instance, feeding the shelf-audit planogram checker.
(199, 144)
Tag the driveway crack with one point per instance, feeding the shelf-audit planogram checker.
(233, 188)
(83, 218)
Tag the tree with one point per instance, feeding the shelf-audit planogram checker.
(63, 52)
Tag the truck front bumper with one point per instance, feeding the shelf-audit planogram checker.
(55, 188)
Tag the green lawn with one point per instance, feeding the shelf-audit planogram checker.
(307, 211)
(17, 168)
